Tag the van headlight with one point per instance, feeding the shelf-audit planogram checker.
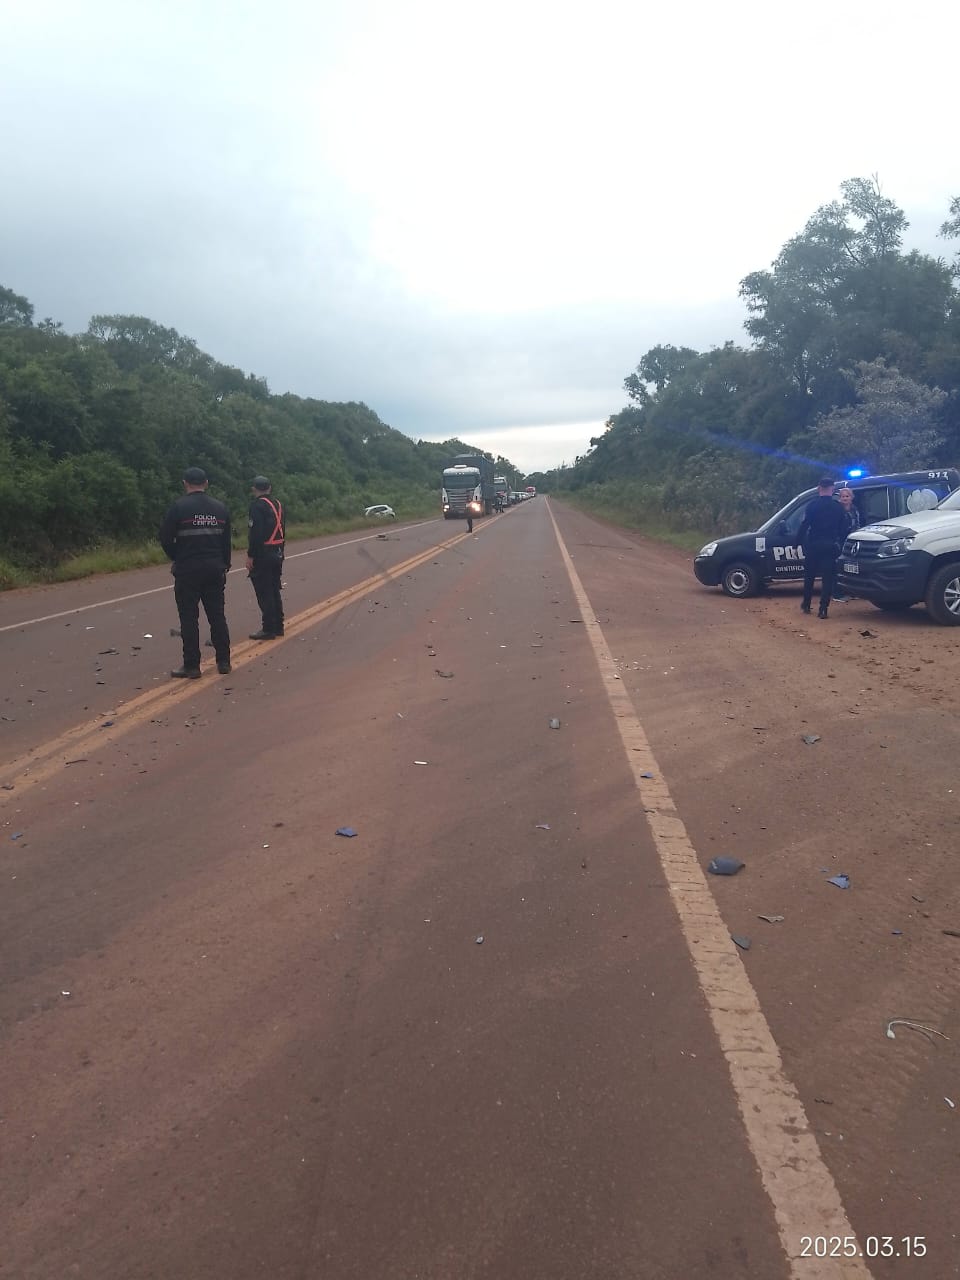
(895, 547)
(708, 550)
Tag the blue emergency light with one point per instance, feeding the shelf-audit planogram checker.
(854, 473)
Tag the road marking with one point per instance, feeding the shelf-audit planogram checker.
(136, 595)
(804, 1196)
(46, 761)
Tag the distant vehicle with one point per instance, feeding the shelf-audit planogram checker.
(531, 491)
(515, 497)
(380, 512)
(467, 487)
(501, 491)
(745, 563)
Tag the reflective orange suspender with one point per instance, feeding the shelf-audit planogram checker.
(276, 538)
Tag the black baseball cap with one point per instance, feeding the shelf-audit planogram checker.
(827, 482)
(195, 475)
(260, 482)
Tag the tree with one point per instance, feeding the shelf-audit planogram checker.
(893, 426)
(15, 311)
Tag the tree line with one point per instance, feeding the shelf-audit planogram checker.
(96, 429)
(854, 361)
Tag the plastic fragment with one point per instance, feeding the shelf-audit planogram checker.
(147, 635)
(444, 675)
(950, 1103)
(543, 826)
(811, 738)
(106, 724)
(646, 775)
(725, 866)
(897, 933)
(742, 941)
(951, 933)
(479, 939)
(772, 919)
(421, 762)
(929, 1032)
(554, 723)
(346, 831)
(16, 835)
(842, 881)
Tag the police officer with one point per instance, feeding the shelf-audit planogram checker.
(821, 535)
(265, 557)
(195, 534)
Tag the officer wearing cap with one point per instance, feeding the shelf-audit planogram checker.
(265, 557)
(195, 534)
(821, 536)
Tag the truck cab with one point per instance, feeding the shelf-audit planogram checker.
(745, 563)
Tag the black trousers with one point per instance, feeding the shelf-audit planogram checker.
(192, 587)
(820, 561)
(265, 575)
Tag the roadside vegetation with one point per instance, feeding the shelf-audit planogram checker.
(96, 429)
(854, 362)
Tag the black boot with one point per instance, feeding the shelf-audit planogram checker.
(186, 673)
(804, 608)
(822, 611)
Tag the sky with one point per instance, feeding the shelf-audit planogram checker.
(473, 218)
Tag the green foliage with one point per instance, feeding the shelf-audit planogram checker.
(96, 430)
(855, 358)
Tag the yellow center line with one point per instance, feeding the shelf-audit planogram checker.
(44, 762)
(805, 1199)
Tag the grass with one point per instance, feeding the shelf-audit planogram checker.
(654, 525)
(117, 557)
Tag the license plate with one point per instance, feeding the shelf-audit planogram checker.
(850, 568)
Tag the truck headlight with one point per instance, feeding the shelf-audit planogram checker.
(708, 550)
(895, 547)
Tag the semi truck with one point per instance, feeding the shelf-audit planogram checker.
(501, 489)
(467, 487)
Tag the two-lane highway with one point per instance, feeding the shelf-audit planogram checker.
(502, 1031)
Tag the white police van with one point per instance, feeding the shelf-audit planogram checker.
(746, 563)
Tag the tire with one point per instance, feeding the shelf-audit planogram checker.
(943, 595)
(893, 606)
(740, 580)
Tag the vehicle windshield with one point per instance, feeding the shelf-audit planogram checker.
(791, 515)
(951, 502)
(461, 479)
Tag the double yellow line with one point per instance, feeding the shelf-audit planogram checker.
(45, 762)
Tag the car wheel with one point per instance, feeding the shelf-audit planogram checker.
(740, 580)
(892, 606)
(943, 595)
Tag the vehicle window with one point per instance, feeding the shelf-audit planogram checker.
(873, 504)
(921, 498)
(794, 520)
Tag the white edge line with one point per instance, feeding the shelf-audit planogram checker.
(804, 1196)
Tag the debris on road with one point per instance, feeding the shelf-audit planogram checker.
(742, 941)
(725, 866)
(543, 826)
(79, 760)
(646, 775)
(811, 738)
(842, 881)
(871, 634)
(772, 919)
(950, 1103)
(916, 897)
(951, 933)
(346, 831)
(444, 675)
(479, 939)
(106, 724)
(554, 723)
(147, 635)
(421, 762)
(16, 835)
(103, 652)
(174, 631)
(929, 1032)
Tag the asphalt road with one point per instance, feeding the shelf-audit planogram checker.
(503, 1031)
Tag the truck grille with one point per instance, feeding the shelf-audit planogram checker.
(854, 549)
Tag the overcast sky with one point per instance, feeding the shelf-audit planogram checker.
(476, 219)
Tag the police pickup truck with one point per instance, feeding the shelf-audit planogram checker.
(903, 560)
(747, 562)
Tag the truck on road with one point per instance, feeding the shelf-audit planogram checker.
(468, 488)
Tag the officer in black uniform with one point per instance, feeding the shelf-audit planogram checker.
(821, 535)
(195, 534)
(265, 557)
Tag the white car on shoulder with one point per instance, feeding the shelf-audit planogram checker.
(380, 512)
